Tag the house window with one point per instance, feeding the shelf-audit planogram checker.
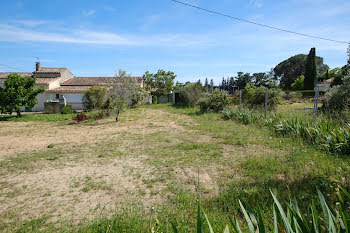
(57, 96)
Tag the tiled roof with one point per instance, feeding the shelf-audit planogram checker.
(55, 70)
(87, 81)
(69, 89)
(45, 80)
(3, 75)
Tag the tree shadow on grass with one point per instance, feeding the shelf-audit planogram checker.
(257, 193)
(8, 117)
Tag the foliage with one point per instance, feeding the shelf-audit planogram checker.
(292, 96)
(80, 117)
(338, 74)
(154, 99)
(291, 219)
(114, 102)
(310, 71)
(137, 96)
(214, 102)
(191, 93)
(255, 96)
(160, 83)
(328, 135)
(292, 68)
(94, 98)
(18, 92)
(338, 97)
(67, 109)
(298, 84)
(124, 86)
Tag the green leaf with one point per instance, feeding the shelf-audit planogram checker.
(210, 228)
(249, 221)
(282, 213)
(235, 225)
(175, 230)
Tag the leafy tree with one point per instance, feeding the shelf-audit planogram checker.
(338, 74)
(298, 84)
(243, 79)
(260, 79)
(123, 85)
(160, 83)
(310, 70)
(338, 97)
(255, 96)
(18, 92)
(191, 93)
(94, 98)
(137, 96)
(115, 103)
(292, 68)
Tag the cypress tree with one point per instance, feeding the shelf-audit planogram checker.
(310, 70)
(206, 85)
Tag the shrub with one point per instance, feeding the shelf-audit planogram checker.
(137, 96)
(81, 117)
(215, 101)
(298, 84)
(338, 97)
(293, 96)
(114, 102)
(255, 96)
(94, 98)
(67, 109)
(191, 93)
(154, 99)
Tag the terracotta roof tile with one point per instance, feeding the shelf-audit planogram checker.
(87, 81)
(3, 75)
(69, 89)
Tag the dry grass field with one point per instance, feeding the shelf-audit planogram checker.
(64, 176)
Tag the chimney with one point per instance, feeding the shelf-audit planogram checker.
(37, 66)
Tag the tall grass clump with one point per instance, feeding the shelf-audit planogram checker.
(326, 134)
(318, 218)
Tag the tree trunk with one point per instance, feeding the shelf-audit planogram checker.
(18, 113)
(117, 115)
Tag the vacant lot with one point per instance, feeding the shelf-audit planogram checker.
(143, 170)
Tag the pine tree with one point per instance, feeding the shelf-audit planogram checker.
(310, 71)
(223, 84)
(211, 85)
(349, 55)
(206, 85)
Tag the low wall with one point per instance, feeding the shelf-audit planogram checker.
(52, 107)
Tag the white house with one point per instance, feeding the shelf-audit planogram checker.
(60, 81)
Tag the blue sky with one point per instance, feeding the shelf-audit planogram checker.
(95, 38)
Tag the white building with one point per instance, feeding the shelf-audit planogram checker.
(60, 81)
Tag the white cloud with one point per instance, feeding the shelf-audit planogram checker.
(149, 21)
(30, 23)
(255, 3)
(89, 12)
(10, 33)
(109, 8)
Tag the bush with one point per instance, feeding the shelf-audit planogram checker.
(338, 97)
(67, 109)
(94, 98)
(292, 96)
(298, 84)
(215, 101)
(115, 102)
(81, 117)
(137, 96)
(255, 96)
(154, 99)
(191, 93)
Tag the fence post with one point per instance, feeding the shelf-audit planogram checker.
(266, 99)
(316, 101)
(240, 98)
